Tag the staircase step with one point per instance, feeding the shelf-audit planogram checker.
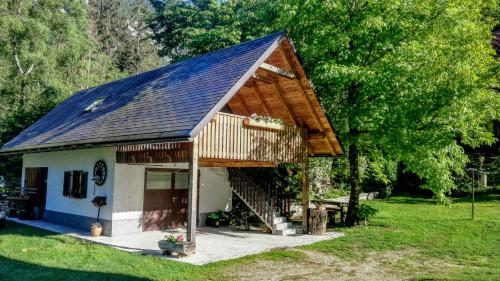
(285, 232)
(282, 225)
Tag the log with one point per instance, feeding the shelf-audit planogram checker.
(318, 220)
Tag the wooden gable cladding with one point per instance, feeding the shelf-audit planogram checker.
(170, 152)
(273, 92)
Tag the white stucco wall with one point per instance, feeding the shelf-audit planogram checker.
(58, 162)
(215, 192)
(124, 187)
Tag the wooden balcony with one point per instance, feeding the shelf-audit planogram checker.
(227, 139)
(226, 142)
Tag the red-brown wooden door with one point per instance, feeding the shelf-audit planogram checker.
(165, 199)
(180, 198)
(35, 182)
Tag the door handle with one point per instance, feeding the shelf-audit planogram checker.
(174, 198)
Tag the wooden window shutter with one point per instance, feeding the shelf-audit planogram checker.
(76, 184)
(83, 184)
(67, 184)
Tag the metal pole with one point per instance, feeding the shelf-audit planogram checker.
(472, 194)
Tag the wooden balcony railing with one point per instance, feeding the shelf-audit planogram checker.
(227, 137)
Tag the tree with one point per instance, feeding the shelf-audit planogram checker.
(120, 28)
(45, 55)
(401, 80)
(404, 82)
(187, 28)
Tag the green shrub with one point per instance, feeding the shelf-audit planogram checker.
(366, 211)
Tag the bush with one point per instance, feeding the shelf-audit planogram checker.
(366, 211)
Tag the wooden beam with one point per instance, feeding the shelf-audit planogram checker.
(277, 70)
(193, 194)
(240, 100)
(317, 119)
(232, 108)
(262, 78)
(314, 135)
(281, 96)
(212, 162)
(262, 99)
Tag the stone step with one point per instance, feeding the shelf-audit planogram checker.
(282, 225)
(285, 232)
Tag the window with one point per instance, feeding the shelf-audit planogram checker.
(182, 180)
(163, 179)
(75, 184)
(94, 105)
(158, 180)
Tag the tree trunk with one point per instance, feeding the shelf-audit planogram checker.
(355, 185)
(318, 222)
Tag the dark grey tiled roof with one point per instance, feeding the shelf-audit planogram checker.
(167, 102)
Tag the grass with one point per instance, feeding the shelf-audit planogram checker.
(469, 249)
(433, 234)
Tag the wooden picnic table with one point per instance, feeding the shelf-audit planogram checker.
(333, 206)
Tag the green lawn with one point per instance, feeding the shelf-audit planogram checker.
(410, 237)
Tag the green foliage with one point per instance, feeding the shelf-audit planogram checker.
(122, 32)
(45, 55)
(366, 211)
(402, 80)
(187, 28)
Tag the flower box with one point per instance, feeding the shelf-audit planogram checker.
(250, 122)
(183, 248)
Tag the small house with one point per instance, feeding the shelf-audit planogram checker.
(164, 147)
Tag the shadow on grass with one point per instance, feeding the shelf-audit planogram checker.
(13, 228)
(11, 269)
(483, 196)
(409, 200)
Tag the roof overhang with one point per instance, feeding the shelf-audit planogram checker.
(94, 143)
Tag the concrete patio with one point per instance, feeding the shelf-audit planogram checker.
(212, 244)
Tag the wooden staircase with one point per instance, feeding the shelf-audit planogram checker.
(263, 201)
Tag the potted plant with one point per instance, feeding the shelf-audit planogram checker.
(263, 122)
(96, 228)
(365, 212)
(175, 244)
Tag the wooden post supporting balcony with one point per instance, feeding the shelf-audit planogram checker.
(305, 188)
(305, 195)
(192, 194)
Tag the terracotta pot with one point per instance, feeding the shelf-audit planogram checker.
(96, 231)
